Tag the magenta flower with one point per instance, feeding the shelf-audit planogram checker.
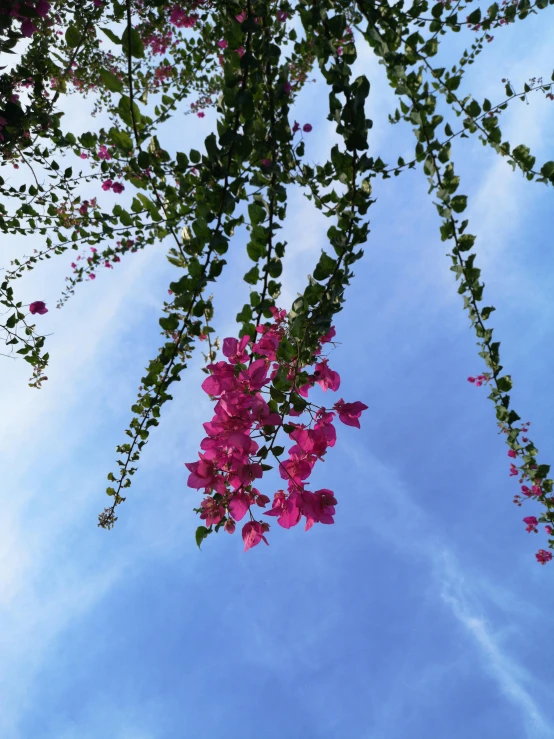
(223, 44)
(253, 534)
(542, 556)
(239, 505)
(318, 507)
(229, 526)
(234, 350)
(28, 27)
(42, 7)
(297, 468)
(512, 454)
(107, 185)
(282, 16)
(307, 127)
(212, 511)
(200, 114)
(266, 162)
(349, 413)
(38, 307)
(103, 153)
(286, 509)
(117, 187)
(329, 336)
(531, 522)
(326, 377)
(180, 18)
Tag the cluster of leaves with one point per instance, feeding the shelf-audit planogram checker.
(145, 63)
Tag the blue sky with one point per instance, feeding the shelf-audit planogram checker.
(422, 612)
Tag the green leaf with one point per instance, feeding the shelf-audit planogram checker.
(121, 139)
(111, 35)
(135, 46)
(324, 267)
(474, 17)
(111, 81)
(252, 276)
(458, 203)
(201, 533)
(169, 323)
(504, 383)
(72, 37)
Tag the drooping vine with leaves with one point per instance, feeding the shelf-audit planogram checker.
(146, 62)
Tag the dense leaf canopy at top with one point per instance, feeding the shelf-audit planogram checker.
(145, 62)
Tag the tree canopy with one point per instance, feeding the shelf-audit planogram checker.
(145, 62)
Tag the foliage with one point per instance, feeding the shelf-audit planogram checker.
(145, 62)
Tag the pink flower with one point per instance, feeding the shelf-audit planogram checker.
(542, 556)
(107, 185)
(180, 18)
(83, 155)
(282, 16)
(307, 127)
(42, 7)
(318, 507)
(471, 379)
(28, 27)
(239, 505)
(349, 413)
(92, 276)
(38, 307)
(241, 17)
(325, 377)
(296, 468)
(212, 511)
(253, 534)
(103, 153)
(117, 187)
(229, 526)
(202, 474)
(548, 530)
(234, 350)
(223, 44)
(286, 509)
(296, 127)
(329, 336)
(200, 114)
(531, 522)
(512, 454)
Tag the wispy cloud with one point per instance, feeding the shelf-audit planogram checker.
(459, 594)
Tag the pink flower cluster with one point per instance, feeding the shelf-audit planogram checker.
(38, 307)
(524, 472)
(19, 10)
(117, 187)
(231, 460)
(180, 18)
(480, 379)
